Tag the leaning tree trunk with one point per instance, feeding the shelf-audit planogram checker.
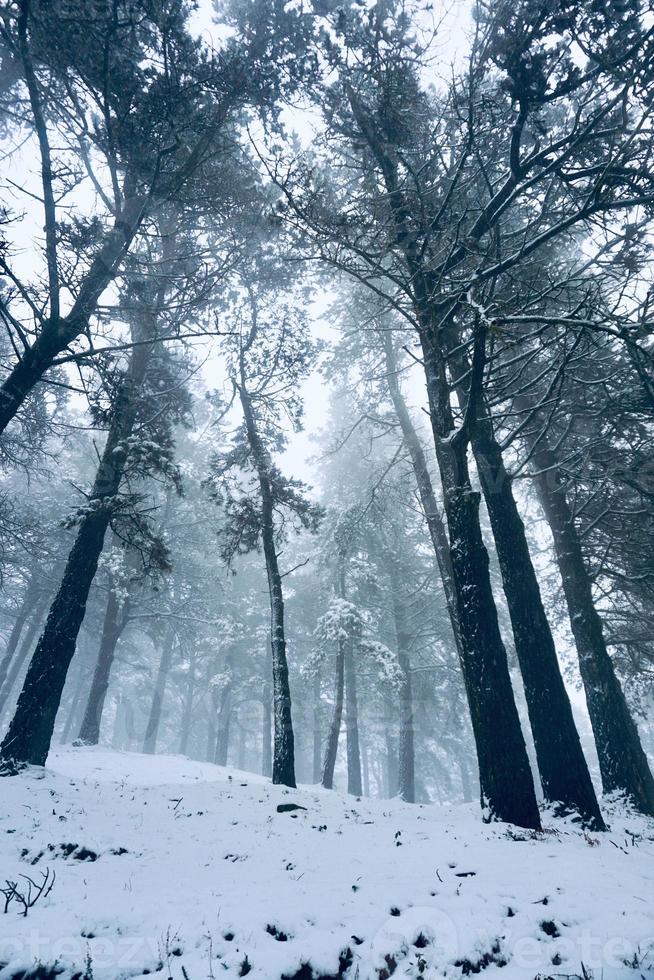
(283, 770)
(114, 623)
(30, 732)
(354, 785)
(22, 653)
(435, 525)
(26, 606)
(623, 763)
(154, 719)
(331, 749)
(506, 781)
(564, 773)
(58, 332)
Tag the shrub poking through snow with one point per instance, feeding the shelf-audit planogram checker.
(26, 896)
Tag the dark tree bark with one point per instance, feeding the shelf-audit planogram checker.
(623, 763)
(284, 742)
(57, 331)
(505, 778)
(563, 770)
(26, 607)
(506, 781)
(154, 719)
(331, 749)
(354, 785)
(562, 766)
(30, 732)
(564, 773)
(114, 623)
(224, 726)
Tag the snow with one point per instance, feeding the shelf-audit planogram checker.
(212, 870)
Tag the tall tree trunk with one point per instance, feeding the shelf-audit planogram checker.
(623, 763)
(505, 778)
(118, 736)
(435, 525)
(564, 773)
(352, 721)
(187, 710)
(331, 749)
(506, 782)
(284, 742)
(241, 758)
(466, 788)
(27, 604)
(406, 750)
(75, 705)
(57, 332)
(391, 760)
(115, 619)
(223, 726)
(30, 732)
(212, 718)
(365, 765)
(266, 733)
(317, 729)
(22, 652)
(154, 719)
(266, 720)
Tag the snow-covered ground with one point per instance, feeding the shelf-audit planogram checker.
(168, 865)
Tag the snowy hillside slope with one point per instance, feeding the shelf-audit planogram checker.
(168, 865)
